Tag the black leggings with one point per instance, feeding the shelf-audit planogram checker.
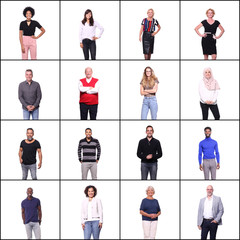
(213, 108)
(89, 45)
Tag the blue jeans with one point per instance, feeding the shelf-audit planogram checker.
(91, 228)
(34, 113)
(33, 171)
(149, 103)
(149, 167)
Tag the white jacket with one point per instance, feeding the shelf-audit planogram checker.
(97, 210)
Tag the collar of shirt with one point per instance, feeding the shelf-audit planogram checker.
(90, 140)
(88, 79)
(28, 83)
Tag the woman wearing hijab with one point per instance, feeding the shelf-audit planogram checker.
(208, 91)
(148, 89)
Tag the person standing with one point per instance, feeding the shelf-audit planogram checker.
(26, 34)
(88, 102)
(91, 213)
(207, 162)
(148, 89)
(149, 150)
(147, 33)
(208, 91)
(30, 95)
(210, 213)
(27, 155)
(88, 35)
(150, 210)
(89, 151)
(209, 38)
(32, 215)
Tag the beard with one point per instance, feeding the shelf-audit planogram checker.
(30, 139)
(208, 135)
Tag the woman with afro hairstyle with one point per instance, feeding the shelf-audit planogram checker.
(88, 36)
(26, 34)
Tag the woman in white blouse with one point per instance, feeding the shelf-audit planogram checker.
(91, 214)
(208, 91)
(88, 35)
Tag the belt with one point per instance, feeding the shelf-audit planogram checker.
(208, 219)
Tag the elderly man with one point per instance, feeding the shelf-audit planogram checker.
(210, 213)
(88, 88)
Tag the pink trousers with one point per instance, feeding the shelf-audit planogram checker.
(29, 44)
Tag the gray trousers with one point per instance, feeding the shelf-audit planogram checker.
(209, 165)
(86, 166)
(35, 227)
(33, 171)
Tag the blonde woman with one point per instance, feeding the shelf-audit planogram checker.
(147, 33)
(150, 210)
(148, 89)
(209, 38)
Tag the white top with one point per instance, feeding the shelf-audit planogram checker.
(207, 95)
(207, 212)
(96, 207)
(87, 31)
(87, 89)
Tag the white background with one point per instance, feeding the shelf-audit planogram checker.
(108, 96)
(45, 73)
(227, 75)
(72, 197)
(225, 133)
(48, 17)
(165, 132)
(167, 94)
(168, 197)
(166, 45)
(106, 13)
(13, 193)
(12, 135)
(192, 192)
(107, 134)
(194, 12)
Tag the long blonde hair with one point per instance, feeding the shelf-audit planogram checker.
(151, 82)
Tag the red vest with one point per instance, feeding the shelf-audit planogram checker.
(89, 99)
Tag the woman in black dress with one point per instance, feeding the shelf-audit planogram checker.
(148, 30)
(209, 38)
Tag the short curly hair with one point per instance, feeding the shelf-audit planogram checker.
(28, 9)
(88, 187)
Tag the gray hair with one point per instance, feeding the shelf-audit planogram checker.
(150, 188)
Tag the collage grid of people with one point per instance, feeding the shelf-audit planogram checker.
(120, 119)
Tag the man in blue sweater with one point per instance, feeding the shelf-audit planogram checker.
(209, 149)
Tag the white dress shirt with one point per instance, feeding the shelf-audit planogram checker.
(207, 212)
(87, 31)
(87, 89)
(207, 95)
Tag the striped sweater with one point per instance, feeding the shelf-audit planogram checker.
(87, 150)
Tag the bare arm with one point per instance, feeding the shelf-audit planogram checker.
(20, 155)
(222, 31)
(21, 40)
(154, 90)
(140, 33)
(40, 157)
(153, 215)
(142, 91)
(23, 215)
(159, 27)
(40, 34)
(39, 214)
(198, 33)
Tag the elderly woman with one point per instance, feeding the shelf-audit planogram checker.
(92, 213)
(208, 91)
(209, 38)
(148, 89)
(26, 34)
(147, 33)
(88, 35)
(150, 210)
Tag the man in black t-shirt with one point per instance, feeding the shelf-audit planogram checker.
(27, 155)
(149, 150)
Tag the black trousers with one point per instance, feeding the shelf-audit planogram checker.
(208, 226)
(89, 45)
(84, 109)
(213, 107)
